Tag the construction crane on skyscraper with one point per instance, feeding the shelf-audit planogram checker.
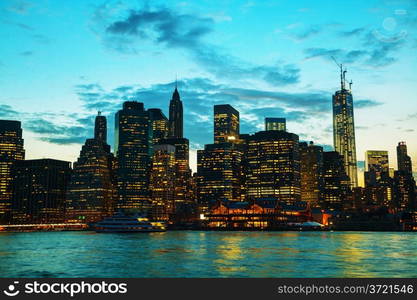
(342, 74)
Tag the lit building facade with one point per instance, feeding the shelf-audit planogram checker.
(39, 192)
(311, 157)
(133, 136)
(226, 124)
(376, 166)
(219, 174)
(162, 182)
(183, 193)
(335, 181)
(378, 183)
(272, 166)
(261, 214)
(91, 192)
(159, 125)
(11, 150)
(344, 130)
(275, 124)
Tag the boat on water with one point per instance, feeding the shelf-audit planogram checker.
(124, 223)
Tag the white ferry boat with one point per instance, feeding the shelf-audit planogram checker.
(123, 223)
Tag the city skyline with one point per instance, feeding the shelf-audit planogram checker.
(56, 99)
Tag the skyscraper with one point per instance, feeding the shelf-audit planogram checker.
(275, 124)
(92, 188)
(378, 183)
(132, 148)
(335, 181)
(272, 166)
(403, 160)
(40, 186)
(376, 167)
(11, 150)
(344, 129)
(182, 169)
(311, 157)
(175, 115)
(159, 124)
(100, 128)
(404, 183)
(219, 174)
(226, 124)
(162, 181)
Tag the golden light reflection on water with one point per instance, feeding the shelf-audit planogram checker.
(210, 254)
(230, 255)
(351, 254)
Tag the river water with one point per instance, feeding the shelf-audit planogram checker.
(208, 254)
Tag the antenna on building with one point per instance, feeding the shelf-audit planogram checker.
(99, 113)
(350, 85)
(342, 73)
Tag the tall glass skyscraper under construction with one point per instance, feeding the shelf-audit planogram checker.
(344, 129)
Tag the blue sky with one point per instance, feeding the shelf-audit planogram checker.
(61, 61)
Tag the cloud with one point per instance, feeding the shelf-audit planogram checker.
(223, 65)
(58, 128)
(341, 54)
(366, 103)
(26, 53)
(57, 133)
(130, 31)
(163, 26)
(371, 49)
(19, 6)
(353, 32)
(305, 33)
(6, 111)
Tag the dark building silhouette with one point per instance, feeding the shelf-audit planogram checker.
(219, 174)
(162, 182)
(272, 166)
(275, 124)
(403, 160)
(100, 128)
(226, 124)
(335, 181)
(92, 189)
(404, 183)
(133, 135)
(344, 129)
(39, 190)
(311, 157)
(175, 116)
(11, 150)
(159, 125)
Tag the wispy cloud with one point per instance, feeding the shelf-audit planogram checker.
(6, 111)
(371, 50)
(366, 103)
(26, 53)
(171, 29)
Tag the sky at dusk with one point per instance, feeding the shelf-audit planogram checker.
(62, 61)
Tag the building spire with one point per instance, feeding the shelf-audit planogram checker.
(176, 114)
